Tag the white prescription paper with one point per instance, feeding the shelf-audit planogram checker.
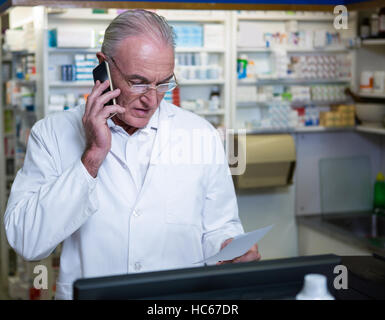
(239, 246)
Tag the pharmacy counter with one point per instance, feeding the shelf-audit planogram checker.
(360, 229)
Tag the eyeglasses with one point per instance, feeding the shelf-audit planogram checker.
(143, 88)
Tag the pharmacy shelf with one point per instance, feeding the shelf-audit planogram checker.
(250, 104)
(175, 17)
(317, 102)
(81, 16)
(317, 50)
(195, 18)
(252, 50)
(306, 129)
(373, 42)
(254, 104)
(292, 50)
(290, 81)
(25, 82)
(109, 17)
(209, 112)
(200, 82)
(72, 50)
(200, 49)
(21, 53)
(71, 84)
(371, 94)
(285, 18)
(374, 130)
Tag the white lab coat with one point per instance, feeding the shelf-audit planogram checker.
(109, 225)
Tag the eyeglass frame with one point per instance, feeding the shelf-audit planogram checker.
(149, 86)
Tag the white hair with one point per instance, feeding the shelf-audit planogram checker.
(137, 22)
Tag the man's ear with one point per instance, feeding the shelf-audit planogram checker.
(101, 57)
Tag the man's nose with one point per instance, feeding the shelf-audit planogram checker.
(151, 97)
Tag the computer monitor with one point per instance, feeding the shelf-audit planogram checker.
(270, 279)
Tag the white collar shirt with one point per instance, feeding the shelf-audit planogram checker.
(136, 148)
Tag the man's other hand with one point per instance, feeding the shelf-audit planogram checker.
(251, 255)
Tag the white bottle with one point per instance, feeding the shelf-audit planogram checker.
(314, 288)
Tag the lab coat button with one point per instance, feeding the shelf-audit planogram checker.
(137, 213)
(137, 266)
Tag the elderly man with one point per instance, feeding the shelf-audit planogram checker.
(98, 184)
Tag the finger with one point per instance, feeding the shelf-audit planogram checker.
(250, 255)
(226, 242)
(97, 90)
(102, 100)
(107, 110)
(89, 98)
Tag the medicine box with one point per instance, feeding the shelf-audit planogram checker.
(75, 38)
(214, 35)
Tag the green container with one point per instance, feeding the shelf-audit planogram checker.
(379, 194)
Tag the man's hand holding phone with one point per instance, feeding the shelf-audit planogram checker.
(98, 134)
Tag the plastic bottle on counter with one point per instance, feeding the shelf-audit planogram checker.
(314, 288)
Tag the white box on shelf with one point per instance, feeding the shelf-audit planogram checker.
(75, 38)
(214, 35)
(250, 34)
(86, 76)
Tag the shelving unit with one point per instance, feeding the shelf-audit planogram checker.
(371, 94)
(287, 17)
(21, 114)
(212, 50)
(283, 23)
(290, 81)
(201, 82)
(71, 84)
(189, 88)
(292, 50)
(309, 129)
(193, 89)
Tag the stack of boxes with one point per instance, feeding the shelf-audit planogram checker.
(20, 40)
(338, 116)
(214, 35)
(84, 65)
(29, 67)
(188, 35)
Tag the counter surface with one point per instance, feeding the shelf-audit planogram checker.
(323, 224)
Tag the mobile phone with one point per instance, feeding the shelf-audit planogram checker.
(102, 73)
